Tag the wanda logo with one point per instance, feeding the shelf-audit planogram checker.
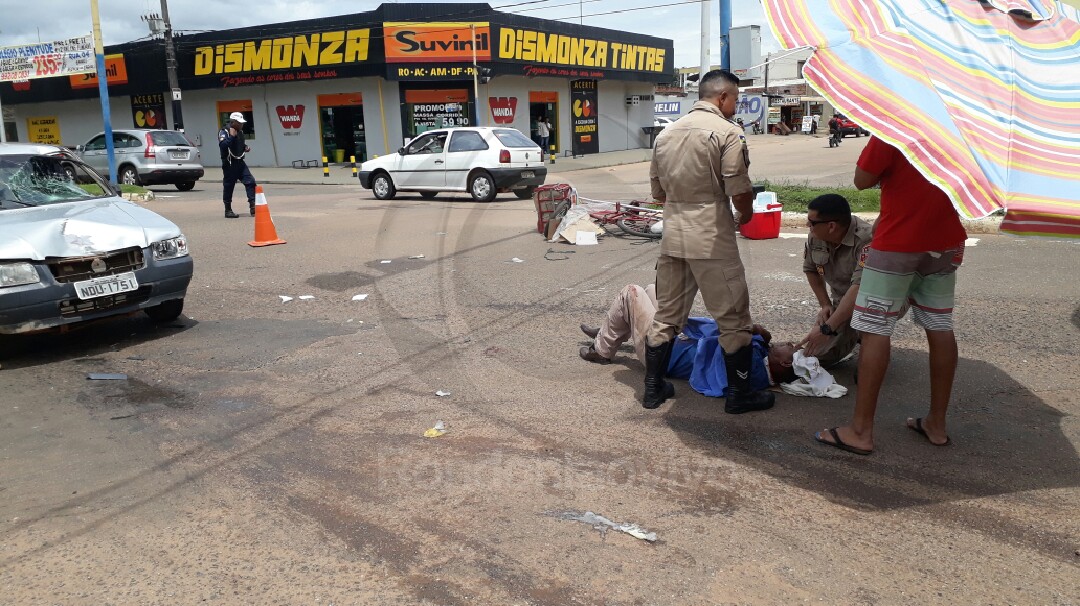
(290, 116)
(503, 109)
(21, 85)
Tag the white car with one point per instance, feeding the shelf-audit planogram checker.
(662, 121)
(483, 161)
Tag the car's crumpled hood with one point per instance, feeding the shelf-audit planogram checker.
(79, 229)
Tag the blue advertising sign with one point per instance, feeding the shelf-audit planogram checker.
(668, 107)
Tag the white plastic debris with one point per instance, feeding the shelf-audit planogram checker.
(359, 297)
(442, 394)
(517, 260)
(385, 261)
(306, 297)
(285, 299)
(417, 257)
(602, 524)
(438, 430)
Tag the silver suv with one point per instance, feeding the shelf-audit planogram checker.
(146, 157)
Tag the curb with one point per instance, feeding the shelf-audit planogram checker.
(989, 225)
(146, 197)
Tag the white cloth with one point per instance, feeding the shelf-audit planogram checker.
(813, 380)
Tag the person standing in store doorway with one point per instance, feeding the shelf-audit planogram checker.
(233, 166)
(543, 132)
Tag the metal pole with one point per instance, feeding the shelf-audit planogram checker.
(725, 31)
(3, 125)
(170, 69)
(475, 76)
(103, 90)
(706, 35)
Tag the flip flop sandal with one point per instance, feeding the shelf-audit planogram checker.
(838, 443)
(918, 428)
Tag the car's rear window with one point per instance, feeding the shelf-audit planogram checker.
(513, 138)
(169, 137)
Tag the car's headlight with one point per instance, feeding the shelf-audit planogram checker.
(172, 248)
(17, 274)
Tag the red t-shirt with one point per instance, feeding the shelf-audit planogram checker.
(916, 215)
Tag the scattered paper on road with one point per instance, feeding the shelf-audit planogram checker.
(438, 430)
(285, 299)
(306, 297)
(385, 261)
(789, 236)
(517, 260)
(971, 242)
(417, 257)
(359, 297)
(602, 524)
(442, 394)
(585, 238)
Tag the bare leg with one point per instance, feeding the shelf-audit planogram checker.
(873, 362)
(943, 360)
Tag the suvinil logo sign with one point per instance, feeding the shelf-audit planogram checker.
(437, 42)
(290, 116)
(503, 109)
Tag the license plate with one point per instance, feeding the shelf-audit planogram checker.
(178, 155)
(527, 174)
(106, 285)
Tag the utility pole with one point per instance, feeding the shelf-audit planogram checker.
(103, 90)
(170, 69)
(475, 75)
(725, 34)
(706, 34)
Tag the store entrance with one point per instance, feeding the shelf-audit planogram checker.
(544, 104)
(341, 122)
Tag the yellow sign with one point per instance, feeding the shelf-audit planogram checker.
(311, 50)
(560, 49)
(44, 130)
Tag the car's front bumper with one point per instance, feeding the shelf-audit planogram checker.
(514, 178)
(49, 304)
(365, 178)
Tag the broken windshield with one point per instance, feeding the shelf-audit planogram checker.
(37, 180)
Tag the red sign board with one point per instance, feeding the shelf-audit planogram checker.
(503, 109)
(290, 116)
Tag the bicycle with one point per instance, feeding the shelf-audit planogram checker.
(633, 218)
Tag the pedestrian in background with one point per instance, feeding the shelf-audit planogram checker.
(699, 165)
(543, 132)
(917, 247)
(233, 166)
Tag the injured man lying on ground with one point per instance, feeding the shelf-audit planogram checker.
(696, 354)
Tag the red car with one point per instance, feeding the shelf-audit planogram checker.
(847, 127)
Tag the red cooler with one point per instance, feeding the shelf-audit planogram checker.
(765, 225)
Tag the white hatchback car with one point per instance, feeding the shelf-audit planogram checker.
(483, 161)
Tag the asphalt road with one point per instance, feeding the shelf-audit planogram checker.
(263, 452)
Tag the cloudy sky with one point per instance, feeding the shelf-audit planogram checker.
(25, 22)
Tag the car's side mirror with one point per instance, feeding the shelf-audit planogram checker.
(401, 150)
(78, 148)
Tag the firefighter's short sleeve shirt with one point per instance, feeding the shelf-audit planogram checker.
(699, 162)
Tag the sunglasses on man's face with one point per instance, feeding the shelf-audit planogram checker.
(812, 222)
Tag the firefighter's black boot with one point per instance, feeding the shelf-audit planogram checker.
(656, 362)
(229, 214)
(741, 397)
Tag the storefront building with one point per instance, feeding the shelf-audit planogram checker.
(362, 84)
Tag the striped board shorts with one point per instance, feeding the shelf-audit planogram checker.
(926, 280)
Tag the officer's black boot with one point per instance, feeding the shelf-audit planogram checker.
(251, 207)
(741, 397)
(229, 214)
(656, 388)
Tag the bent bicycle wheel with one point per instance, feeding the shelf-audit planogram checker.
(639, 226)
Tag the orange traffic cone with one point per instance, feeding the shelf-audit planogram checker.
(265, 233)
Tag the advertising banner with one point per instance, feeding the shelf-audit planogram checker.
(47, 59)
(584, 123)
(115, 68)
(503, 109)
(148, 111)
(44, 130)
(437, 42)
(428, 109)
(751, 109)
(556, 54)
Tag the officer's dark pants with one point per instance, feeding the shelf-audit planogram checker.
(232, 172)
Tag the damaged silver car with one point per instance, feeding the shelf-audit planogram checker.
(73, 250)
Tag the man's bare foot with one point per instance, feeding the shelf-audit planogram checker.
(934, 435)
(845, 438)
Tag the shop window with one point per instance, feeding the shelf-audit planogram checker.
(424, 110)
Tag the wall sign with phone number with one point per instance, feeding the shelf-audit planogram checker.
(46, 59)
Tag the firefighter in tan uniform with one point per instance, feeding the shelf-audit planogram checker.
(700, 162)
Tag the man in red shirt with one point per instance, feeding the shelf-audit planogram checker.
(918, 245)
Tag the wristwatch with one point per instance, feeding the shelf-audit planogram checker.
(827, 330)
